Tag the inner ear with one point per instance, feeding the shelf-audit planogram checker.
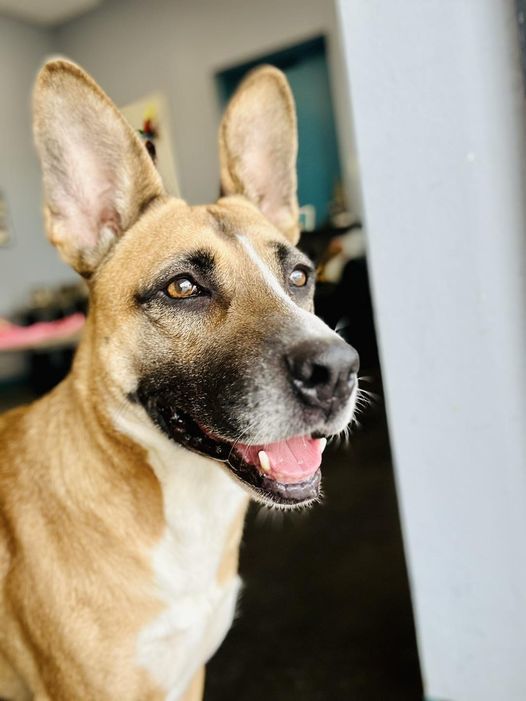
(258, 148)
(98, 175)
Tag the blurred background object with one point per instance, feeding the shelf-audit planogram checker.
(150, 117)
(44, 335)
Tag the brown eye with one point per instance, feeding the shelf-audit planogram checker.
(298, 277)
(182, 288)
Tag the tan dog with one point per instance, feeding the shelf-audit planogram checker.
(202, 378)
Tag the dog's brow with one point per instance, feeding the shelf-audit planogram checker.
(285, 253)
(281, 251)
(202, 259)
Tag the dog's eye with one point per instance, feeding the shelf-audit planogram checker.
(298, 277)
(182, 288)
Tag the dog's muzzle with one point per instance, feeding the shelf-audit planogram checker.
(316, 380)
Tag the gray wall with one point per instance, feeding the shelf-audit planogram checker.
(441, 137)
(134, 47)
(29, 260)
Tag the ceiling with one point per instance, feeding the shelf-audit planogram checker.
(46, 12)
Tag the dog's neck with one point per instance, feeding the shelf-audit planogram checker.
(198, 499)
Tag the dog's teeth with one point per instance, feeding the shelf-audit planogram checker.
(264, 461)
(323, 444)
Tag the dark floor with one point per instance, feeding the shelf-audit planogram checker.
(325, 614)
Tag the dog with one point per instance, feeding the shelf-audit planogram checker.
(203, 379)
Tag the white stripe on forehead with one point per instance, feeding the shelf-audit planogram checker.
(314, 323)
(267, 274)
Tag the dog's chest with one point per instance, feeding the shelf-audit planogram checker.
(204, 510)
(189, 630)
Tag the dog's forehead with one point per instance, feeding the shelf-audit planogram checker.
(172, 228)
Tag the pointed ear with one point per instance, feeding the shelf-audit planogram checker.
(98, 177)
(258, 146)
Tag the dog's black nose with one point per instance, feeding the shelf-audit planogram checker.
(323, 372)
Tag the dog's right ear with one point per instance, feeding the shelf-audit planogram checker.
(98, 177)
(258, 145)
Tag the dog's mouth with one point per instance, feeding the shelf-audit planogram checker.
(285, 472)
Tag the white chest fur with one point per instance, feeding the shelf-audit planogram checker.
(201, 503)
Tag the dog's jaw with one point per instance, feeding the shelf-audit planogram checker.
(185, 431)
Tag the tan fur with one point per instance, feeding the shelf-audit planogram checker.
(80, 508)
(196, 688)
(76, 532)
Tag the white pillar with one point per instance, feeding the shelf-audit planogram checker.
(438, 103)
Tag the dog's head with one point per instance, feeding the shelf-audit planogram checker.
(201, 317)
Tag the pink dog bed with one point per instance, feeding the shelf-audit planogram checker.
(41, 334)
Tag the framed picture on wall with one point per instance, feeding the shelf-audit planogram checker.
(150, 116)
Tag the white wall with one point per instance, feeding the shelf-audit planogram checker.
(29, 261)
(134, 47)
(441, 135)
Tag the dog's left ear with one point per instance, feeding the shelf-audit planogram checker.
(258, 146)
(98, 177)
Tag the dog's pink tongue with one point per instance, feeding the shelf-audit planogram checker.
(293, 460)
